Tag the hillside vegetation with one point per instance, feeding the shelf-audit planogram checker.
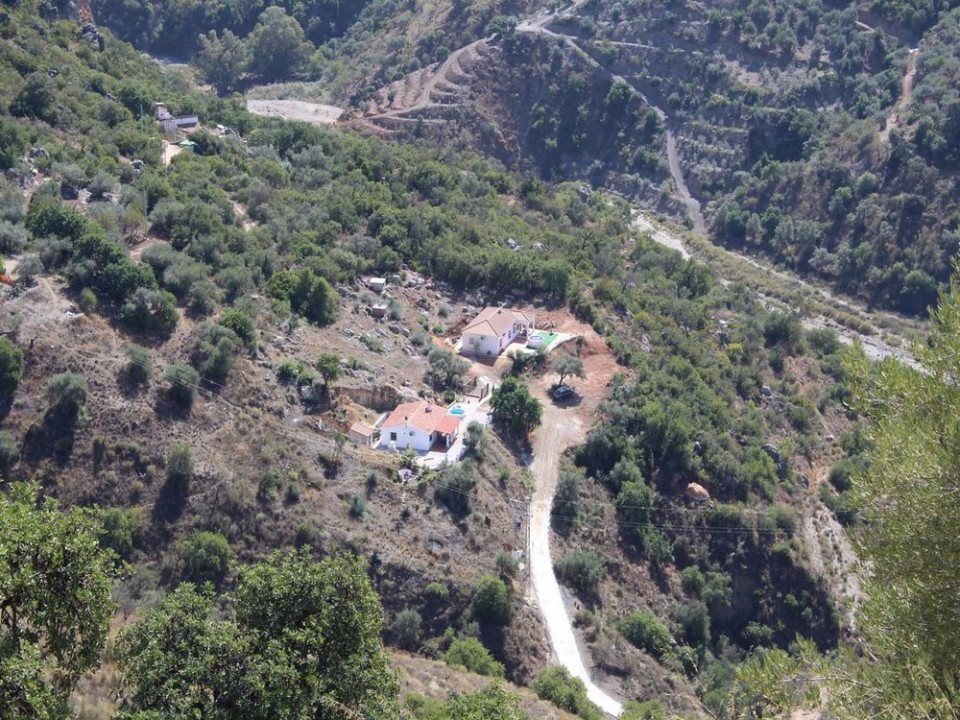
(819, 134)
(189, 339)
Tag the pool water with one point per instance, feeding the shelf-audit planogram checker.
(458, 411)
(548, 337)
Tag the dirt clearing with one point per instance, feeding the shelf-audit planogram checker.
(314, 113)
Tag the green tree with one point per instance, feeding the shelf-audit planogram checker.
(205, 557)
(475, 440)
(470, 653)
(446, 369)
(566, 365)
(329, 367)
(36, 98)
(277, 48)
(307, 293)
(493, 601)
(911, 536)
(11, 366)
(55, 604)
(152, 311)
(303, 641)
(222, 60)
(490, 703)
(514, 407)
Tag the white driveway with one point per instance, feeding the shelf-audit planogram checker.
(558, 431)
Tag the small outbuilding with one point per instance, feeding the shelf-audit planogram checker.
(378, 285)
(362, 434)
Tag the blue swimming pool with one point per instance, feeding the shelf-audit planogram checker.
(457, 410)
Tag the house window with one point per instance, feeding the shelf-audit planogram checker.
(393, 436)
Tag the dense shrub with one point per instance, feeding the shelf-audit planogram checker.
(151, 311)
(454, 488)
(307, 293)
(644, 630)
(242, 325)
(407, 629)
(180, 468)
(582, 570)
(556, 685)
(11, 366)
(493, 601)
(8, 451)
(67, 394)
(470, 653)
(182, 383)
(205, 557)
(139, 367)
(118, 528)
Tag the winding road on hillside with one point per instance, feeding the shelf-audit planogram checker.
(446, 84)
(538, 25)
(558, 431)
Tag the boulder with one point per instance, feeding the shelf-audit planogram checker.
(697, 492)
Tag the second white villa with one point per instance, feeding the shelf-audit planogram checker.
(492, 331)
(419, 425)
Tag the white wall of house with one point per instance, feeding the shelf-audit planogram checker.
(474, 344)
(403, 436)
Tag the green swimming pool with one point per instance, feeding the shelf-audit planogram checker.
(548, 337)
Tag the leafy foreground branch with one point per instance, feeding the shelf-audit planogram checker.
(907, 494)
(297, 639)
(54, 602)
(302, 640)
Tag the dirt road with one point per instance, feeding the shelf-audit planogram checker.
(906, 94)
(560, 429)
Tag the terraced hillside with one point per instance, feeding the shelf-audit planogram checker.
(786, 129)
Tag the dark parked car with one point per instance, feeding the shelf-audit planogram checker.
(562, 392)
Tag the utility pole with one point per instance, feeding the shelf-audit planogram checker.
(526, 542)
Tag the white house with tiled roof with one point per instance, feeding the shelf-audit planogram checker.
(490, 332)
(418, 425)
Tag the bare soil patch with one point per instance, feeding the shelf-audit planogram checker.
(314, 113)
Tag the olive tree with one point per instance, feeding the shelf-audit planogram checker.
(55, 604)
